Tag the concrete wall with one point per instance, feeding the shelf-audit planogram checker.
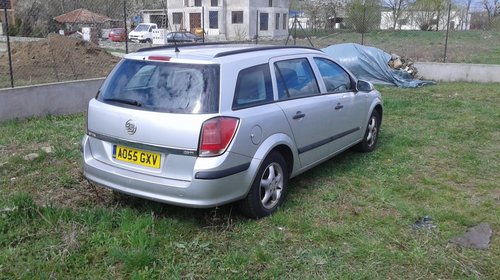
(73, 97)
(41, 100)
(457, 72)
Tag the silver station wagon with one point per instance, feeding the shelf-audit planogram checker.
(205, 125)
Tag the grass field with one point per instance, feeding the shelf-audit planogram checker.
(350, 217)
(475, 46)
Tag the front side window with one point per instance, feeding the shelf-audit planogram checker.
(162, 86)
(214, 19)
(236, 17)
(334, 77)
(295, 78)
(253, 87)
(142, 27)
(264, 20)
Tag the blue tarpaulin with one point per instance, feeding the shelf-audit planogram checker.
(371, 64)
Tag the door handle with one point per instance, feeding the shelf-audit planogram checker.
(339, 106)
(299, 115)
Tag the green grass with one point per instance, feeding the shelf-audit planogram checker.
(350, 217)
(474, 46)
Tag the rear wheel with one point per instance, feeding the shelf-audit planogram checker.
(371, 134)
(268, 189)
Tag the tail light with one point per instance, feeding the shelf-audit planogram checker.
(216, 135)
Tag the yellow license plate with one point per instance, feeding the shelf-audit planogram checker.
(136, 156)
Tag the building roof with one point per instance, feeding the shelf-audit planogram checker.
(81, 16)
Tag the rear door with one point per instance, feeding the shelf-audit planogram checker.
(148, 115)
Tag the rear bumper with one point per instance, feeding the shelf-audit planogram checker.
(196, 193)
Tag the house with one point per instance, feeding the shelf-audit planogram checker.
(412, 19)
(224, 19)
(11, 14)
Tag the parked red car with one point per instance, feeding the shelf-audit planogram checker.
(117, 35)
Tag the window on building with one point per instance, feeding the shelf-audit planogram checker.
(237, 17)
(197, 3)
(177, 18)
(264, 21)
(186, 3)
(213, 19)
(270, 3)
(214, 3)
(285, 21)
(277, 21)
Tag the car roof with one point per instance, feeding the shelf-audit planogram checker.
(218, 53)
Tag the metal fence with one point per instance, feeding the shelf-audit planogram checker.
(62, 58)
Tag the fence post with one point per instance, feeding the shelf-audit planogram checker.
(8, 43)
(125, 23)
(203, 22)
(257, 29)
(364, 24)
(447, 31)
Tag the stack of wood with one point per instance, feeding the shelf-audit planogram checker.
(403, 63)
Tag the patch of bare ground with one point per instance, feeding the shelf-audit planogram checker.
(76, 196)
(58, 58)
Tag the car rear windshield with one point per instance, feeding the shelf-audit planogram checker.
(163, 86)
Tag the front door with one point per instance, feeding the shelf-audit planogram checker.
(194, 21)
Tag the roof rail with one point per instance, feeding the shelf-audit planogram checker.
(172, 46)
(261, 49)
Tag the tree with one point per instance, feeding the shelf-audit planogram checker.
(363, 15)
(397, 8)
(323, 13)
(312, 10)
(465, 14)
(37, 15)
(492, 8)
(429, 13)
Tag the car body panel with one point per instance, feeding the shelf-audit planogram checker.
(331, 123)
(117, 35)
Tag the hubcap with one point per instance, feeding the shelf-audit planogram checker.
(372, 131)
(271, 185)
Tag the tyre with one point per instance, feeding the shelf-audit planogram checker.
(148, 41)
(370, 138)
(268, 189)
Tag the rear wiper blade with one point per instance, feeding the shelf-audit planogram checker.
(124, 101)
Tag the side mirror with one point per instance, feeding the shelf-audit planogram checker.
(364, 86)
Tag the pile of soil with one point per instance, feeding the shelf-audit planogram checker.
(58, 58)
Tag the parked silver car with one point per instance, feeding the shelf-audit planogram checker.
(205, 125)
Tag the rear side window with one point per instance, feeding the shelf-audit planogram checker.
(253, 87)
(163, 86)
(295, 78)
(335, 78)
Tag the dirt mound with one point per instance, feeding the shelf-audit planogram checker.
(57, 58)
